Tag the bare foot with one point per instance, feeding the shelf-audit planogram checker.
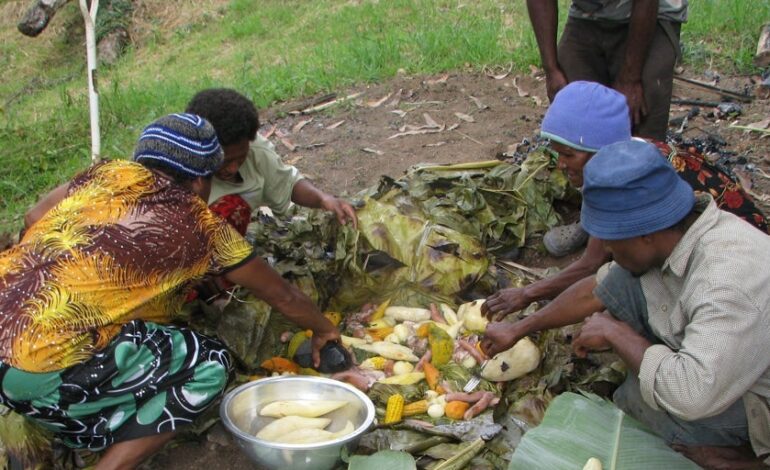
(721, 458)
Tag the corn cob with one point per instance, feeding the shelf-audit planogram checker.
(416, 408)
(374, 363)
(334, 317)
(395, 409)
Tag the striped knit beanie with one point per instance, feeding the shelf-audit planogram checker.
(184, 142)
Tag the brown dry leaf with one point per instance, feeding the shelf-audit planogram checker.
(454, 126)
(436, 81)
(429, 121)
(399, 112)
(378, 103)
(417, 132)
(534, 70)
(268, 132)
(496, 74)
(298, 126)
(336, 124)
(396, 98)
(374, 151)
(478, 102)
(519, 90)
(538, 101)
(436, 144)
(294, 160)
(288, 144)
(465, 117)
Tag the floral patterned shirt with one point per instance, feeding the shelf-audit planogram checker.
(124, 244)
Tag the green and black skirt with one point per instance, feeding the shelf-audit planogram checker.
(151, 379)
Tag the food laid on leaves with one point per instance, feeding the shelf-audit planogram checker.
(521, 359)
(414, 361)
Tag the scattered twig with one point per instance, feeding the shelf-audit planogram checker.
(298, 126)
(519, 90)
(418, 132)
(689, 102)
(399, 113)
(491, 73)
(312, 102)
(336, 124)
(468, 137)
(312, 146)
(269, 132)
(378, 103)
(478, 102)
(465, 117)
(722, 91)
(436, 81)
(374, 151)
(329, 104)
(421, 103)
(429, 121)
(750, 128)
(436, 144)
(283, 137)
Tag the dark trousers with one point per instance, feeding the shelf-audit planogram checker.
(595, 51)
(622, 295)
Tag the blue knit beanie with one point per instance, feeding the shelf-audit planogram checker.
(629, 190)
(587, 116)
(184, 142)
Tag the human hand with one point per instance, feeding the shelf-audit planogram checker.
(595, 334)
(319, 340)
(555, 80)
(341, 209)
(634, 93)
(499, 337)
(504, 302)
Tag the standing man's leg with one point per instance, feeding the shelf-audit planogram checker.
(657, 77)
(580, 52)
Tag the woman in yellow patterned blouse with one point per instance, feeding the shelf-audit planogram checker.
(87, 295)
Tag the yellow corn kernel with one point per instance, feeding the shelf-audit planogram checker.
(380, 312)
(416, 408)
(334, 317)
(395, 409)
(374, 363)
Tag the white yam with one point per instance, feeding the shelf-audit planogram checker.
(290, 424)
(521, 359)
(408, 313)
(303, 408)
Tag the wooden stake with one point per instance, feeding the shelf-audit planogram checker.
(89, 17)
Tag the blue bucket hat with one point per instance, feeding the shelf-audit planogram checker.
(587, 116)
(184, 142)
(630, 190)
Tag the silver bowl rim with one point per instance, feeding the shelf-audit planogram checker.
(364, 427)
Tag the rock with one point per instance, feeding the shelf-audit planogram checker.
(729, 109)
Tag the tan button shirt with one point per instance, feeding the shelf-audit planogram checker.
(710, 304)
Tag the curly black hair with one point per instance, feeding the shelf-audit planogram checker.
(233, 116)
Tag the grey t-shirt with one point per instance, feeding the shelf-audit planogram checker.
(620, 10)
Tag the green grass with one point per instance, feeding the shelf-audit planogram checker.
(271, 50)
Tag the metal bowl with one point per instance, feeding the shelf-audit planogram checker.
(240, 414)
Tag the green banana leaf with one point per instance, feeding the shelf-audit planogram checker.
(577, 427)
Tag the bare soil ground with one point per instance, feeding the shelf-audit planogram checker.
(349, 156)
